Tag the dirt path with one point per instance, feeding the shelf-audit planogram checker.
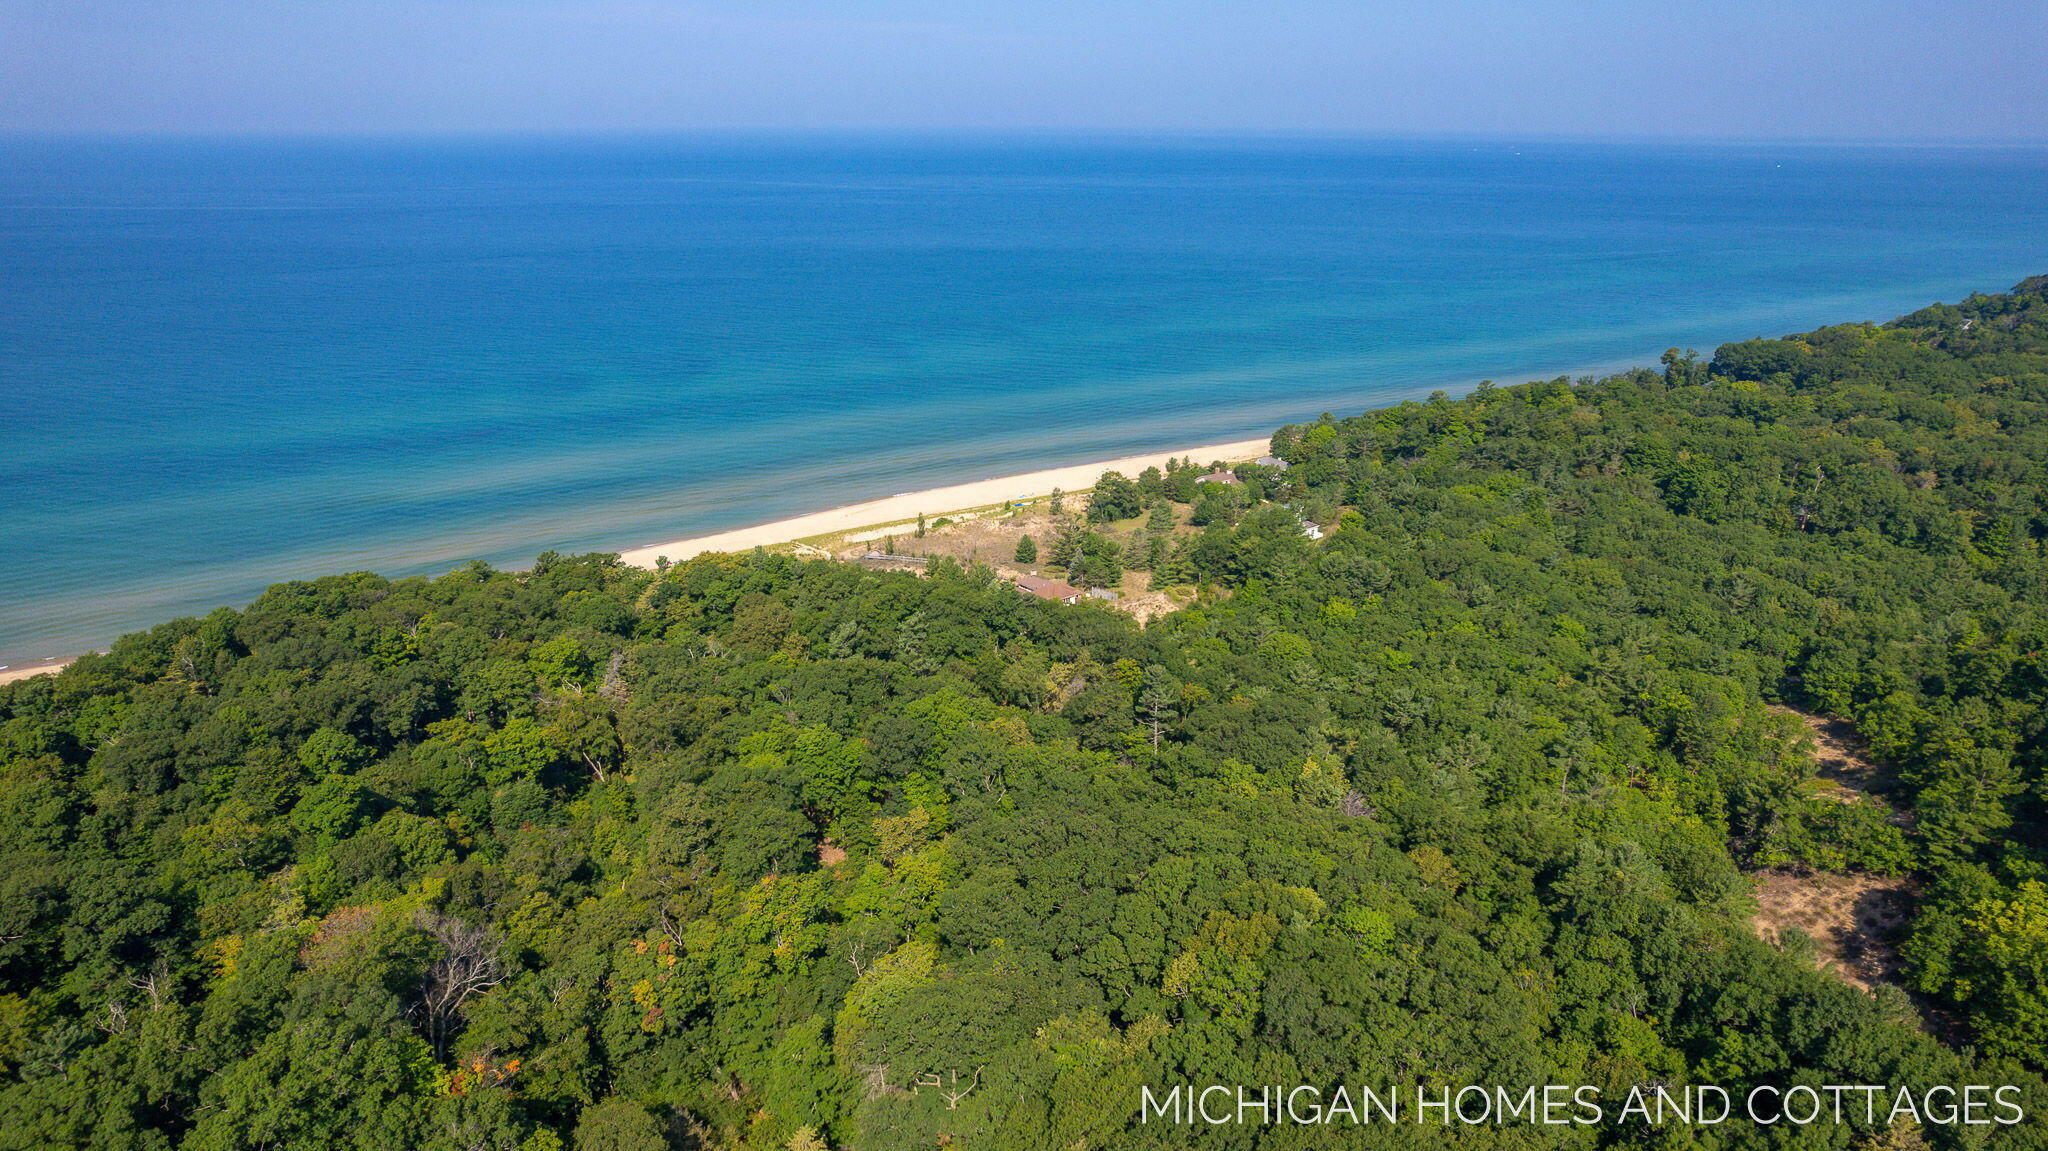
(1855, 921)
(1840, 757)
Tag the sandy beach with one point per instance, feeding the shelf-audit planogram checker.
(936, 502)
(901, 509)
(24, 670)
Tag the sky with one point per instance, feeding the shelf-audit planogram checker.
(1776, 69)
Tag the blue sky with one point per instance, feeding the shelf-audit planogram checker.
(1855, 69)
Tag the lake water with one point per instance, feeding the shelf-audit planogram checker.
(226, 363)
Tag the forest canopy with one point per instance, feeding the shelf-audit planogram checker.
(757, 852)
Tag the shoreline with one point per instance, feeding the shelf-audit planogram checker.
(888, 511)
(934, 502)
(31, 669)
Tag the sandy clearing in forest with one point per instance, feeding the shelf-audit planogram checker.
(1854, 920)
(935, 502)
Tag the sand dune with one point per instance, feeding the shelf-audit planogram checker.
(935, 503)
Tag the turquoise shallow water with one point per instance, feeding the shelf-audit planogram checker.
(225, 363)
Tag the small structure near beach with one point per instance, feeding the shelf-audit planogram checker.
(1226, 476)
(1051, 589)
(1274, 462)
(876, 560)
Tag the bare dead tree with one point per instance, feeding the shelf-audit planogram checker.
(614, 686)
(953, 1098)
(786, 698)
(153, 985)
(473, 1135)
(669, 927)
(470, 964)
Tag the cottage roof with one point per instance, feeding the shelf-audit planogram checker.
(1047, 588)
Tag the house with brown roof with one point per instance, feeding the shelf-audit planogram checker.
(1226, 476)
(1051, 589)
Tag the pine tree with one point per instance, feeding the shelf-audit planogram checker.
(1156, 699)
(1067, 542)
(1172, 565)
(1100, 562)
(1901, 1136)
(913, 644)
(840, 644)
(1156, 552)
(1027, 551)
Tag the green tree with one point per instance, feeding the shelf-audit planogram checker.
(618, 1124)
(331, 752)
(1115, 498)
(2003, 969)
(334, 807)
(1099, 562)
(1157, 549)
(1068, 540)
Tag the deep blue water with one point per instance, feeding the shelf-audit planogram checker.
(224, 364)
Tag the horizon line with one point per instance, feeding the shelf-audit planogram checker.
(1000, 133)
